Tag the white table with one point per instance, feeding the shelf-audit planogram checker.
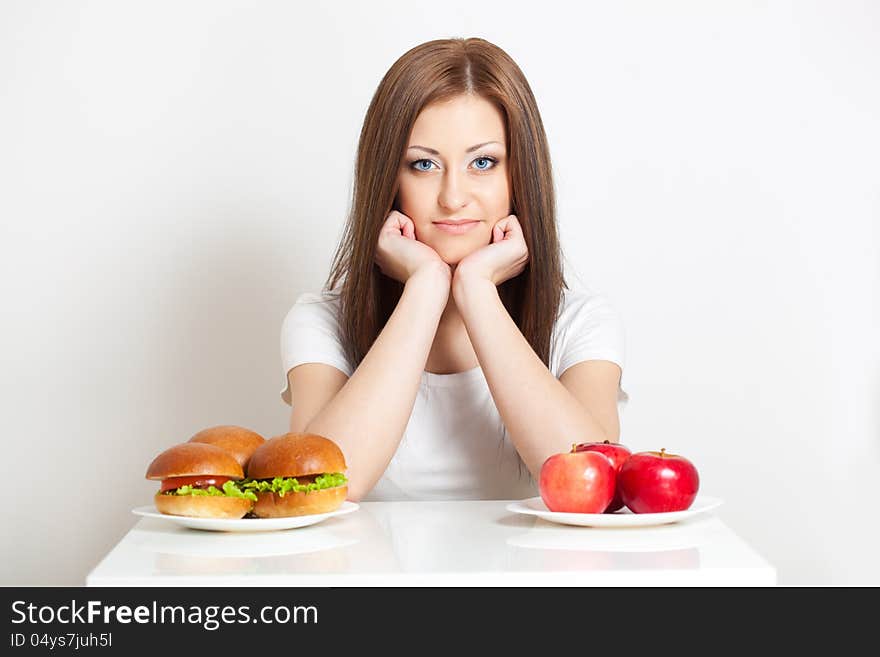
(451, 543)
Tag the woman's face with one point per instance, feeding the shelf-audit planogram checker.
(458, 171)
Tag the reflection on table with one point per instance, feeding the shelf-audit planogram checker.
(438, 544)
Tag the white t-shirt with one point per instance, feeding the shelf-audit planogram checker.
(455, 445)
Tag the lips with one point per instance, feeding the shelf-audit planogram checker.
(456, 227)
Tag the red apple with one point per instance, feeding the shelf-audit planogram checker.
(656, 482)
(577, 482)
(618, 454)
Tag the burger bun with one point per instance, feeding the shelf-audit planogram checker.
(238, 441)
(203, 506)
(196, 460)
(297, 455)
(273, 505)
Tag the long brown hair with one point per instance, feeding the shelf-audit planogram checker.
(437, 71)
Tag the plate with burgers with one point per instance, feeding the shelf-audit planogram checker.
(293, 480)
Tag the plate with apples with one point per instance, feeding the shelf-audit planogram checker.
(604, 484)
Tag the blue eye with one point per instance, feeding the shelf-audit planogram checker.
(415, 164)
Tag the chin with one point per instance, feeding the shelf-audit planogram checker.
(454, 251)
(452, 256)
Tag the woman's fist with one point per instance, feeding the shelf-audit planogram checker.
(399, 254)
(502, 259)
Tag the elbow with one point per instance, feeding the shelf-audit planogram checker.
(355, 494)
(356, 489)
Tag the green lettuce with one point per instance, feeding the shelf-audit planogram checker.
(284, 485)
(230, 489)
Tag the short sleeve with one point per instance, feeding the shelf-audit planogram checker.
(589, 328)
(309, 334)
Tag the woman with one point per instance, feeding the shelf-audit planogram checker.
(449, 361)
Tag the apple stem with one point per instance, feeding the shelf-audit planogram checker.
(662, 452)
(573, 447)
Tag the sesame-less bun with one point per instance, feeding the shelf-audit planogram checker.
(272, 505)
(295, 455)
(202, 506)
(192, 459)
(240, 442)
(198, 460)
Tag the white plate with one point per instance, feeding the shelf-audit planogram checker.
(624, 518)
(245, 524)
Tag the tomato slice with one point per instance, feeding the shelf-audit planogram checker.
(202, 481)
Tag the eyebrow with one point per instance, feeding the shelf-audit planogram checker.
(470, 150)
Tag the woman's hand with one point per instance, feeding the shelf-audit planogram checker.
(400, 255)
(504, 258)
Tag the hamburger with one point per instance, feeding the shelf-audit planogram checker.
(240, 442)
(199, 480)
(296, 474)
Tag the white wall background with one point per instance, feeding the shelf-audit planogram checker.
(174, 174)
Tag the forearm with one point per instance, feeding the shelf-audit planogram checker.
(368, 416)
(542, 417)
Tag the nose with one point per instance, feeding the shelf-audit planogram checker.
(454, 190)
